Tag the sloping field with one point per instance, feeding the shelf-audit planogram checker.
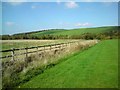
(76, 31)
(96, 67)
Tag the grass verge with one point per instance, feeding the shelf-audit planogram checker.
(17, 72)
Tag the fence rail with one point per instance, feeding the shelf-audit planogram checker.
(13, 54)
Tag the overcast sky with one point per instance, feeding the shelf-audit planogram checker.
(32, 16)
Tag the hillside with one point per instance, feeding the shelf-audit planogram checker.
(76, 31)
(81, 33)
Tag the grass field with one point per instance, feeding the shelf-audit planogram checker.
(20, 71)
(8, 44)
(75, 31)
(96, 67)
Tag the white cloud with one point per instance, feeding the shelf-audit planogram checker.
(58, 1)
(83, 24)
(87, 24)
(78, 24)
(71, 4)
(63, 0)
(33, 7)
(107, 4)
(15, 2)
(63, 23)
(9, 23)
(90, 0)
(109, 0)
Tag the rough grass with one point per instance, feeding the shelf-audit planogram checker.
(96, 67)
(20, 71)
(8, 44)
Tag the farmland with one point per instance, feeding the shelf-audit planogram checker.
(22, 66)
(59, 44)
(8, 44)
(96, 67)
(38, 62)
(78, 31)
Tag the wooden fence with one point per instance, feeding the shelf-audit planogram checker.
(37, 49)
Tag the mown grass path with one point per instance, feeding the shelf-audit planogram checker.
(96, 67)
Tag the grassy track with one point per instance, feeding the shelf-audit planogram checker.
(96, 67)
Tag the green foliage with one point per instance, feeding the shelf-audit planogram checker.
(83, 33)
(5, 37)
(96, 67)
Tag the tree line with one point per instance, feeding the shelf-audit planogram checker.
(105, 35)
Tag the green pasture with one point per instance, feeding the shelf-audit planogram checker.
(79, 31)
(96, 67)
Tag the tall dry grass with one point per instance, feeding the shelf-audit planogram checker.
(20, 71)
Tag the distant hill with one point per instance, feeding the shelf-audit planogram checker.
(76, 31)
(80, 33)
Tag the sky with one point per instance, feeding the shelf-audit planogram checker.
(18, 17)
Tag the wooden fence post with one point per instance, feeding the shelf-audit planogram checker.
(26, 52)
(55, 46)
(50, 47)
(61, 46)
(69, 44)
(44, 49)
(66, 44)
(12, 53)
(37, 50)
